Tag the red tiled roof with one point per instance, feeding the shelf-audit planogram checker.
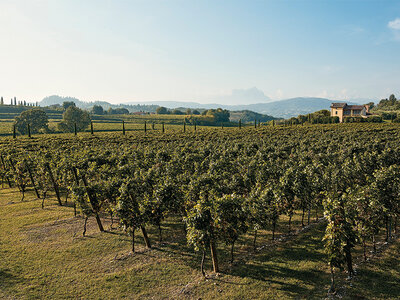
(347, 107)
(360, 107)
(342, 104)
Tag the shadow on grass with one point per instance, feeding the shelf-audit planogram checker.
(8, 280)
(291, 266)
(379, 278)
(378, 283)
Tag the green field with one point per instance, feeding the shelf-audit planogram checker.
(114, 123)
(6, 126)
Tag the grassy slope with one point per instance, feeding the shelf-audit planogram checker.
(44, 256)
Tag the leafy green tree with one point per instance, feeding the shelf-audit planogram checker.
(371, 105)
(36, 118)
(220, 115)
(162, 110)
(117, 111)
(67, 104)
(74, 115)
(195, 112)
(97, 110)
(392, 99)
(176, 112)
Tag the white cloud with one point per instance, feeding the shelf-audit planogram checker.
(395, 24)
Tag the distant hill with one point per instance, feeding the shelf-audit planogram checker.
(247, 116)
(54, 100)
(280, 109)
(292, 107)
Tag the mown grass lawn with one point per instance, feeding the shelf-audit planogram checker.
(43, 255)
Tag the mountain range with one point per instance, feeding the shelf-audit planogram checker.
(281, 109)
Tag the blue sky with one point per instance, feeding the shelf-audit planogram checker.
(145, 50)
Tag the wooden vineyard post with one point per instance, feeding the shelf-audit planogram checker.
(214, 256)
(123, 127)
(75, 131)
(163, 127)
(75, 173)
(29, 130)
(91, 128)
(92, 202)
(145, 237)
(32, 179)
(53, 181)
(14, 133)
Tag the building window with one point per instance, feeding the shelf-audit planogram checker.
(336, 112)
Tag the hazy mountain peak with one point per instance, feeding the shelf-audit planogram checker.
(241, 96)
(251, 94)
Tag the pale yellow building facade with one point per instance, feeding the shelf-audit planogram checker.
(342, 110)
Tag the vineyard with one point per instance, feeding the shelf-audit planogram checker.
(219, 198)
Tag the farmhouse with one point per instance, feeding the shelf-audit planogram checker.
(342, 110)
